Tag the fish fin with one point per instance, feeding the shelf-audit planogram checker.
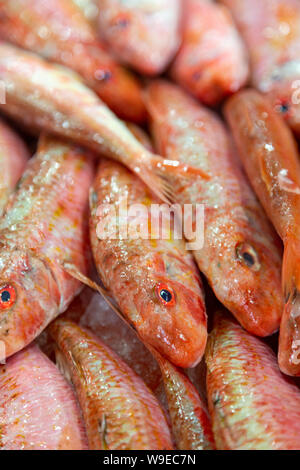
(102, 429)
(159, 175)
(291, 267)
(73, 271)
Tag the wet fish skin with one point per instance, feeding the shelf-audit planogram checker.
(191, 425)
(38, 408)
(46, 97)
(144, 34)
(135, 270)
(120, 412)
(58, 31)
(271, 30)
(253, 406)
(241, 256)
(212, 61)
(270, 157)
(13, 158)
(44, 225)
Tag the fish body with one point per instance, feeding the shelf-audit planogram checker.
(58, 31)
(191, 425)
(241, 256)
(46, 97)
(119, 411)
(38, 408)
(142, 33)
(212, 62)
(252, 404)
(90, 9)
(44, 225)
(138, 269)
(270, 157)
(271, 30)
(13, 159)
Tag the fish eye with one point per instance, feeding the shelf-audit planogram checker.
(248, 256)
(165, 294)
(283, 107)
(7, 297)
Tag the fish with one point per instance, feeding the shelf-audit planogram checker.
(46, 97)
(191, 424)
(58, 31)
(270, 156)
(119, 411)
(13, 158)
(271, 31)
(44, 225)
(38, 408)
(149, 273)
(241, 254)
(142, 33)
(212, 62)
(252, 404)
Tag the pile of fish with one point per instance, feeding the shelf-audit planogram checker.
(143, 343)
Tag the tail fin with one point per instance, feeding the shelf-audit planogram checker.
(289, 340)
(160, 174)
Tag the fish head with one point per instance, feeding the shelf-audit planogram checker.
(283, 92)
(170, 302)
(28, 294)
(247, 275)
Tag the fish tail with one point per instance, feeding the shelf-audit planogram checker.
(160, 175)
(289, 340)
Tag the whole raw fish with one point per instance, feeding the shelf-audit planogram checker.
(270, 156)
(44, 225)
(13, 158)
(142, 33)
(212, 62)
(58, 30)
(155, 280)
(253, 406)
(38, 408)
(43, 96)
(119, 411)
(191, 424)
(240, 257)
(271, 30)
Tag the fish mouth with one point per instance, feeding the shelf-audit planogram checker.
(289, 339)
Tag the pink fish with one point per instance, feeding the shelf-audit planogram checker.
(154, 280)
(13, 159)
(120, 412)
(212, 62)
(38, 409)
(58, 31)
(271, 30)
(142, 33)
(252, 404)
(191, 424)
(44, 225)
